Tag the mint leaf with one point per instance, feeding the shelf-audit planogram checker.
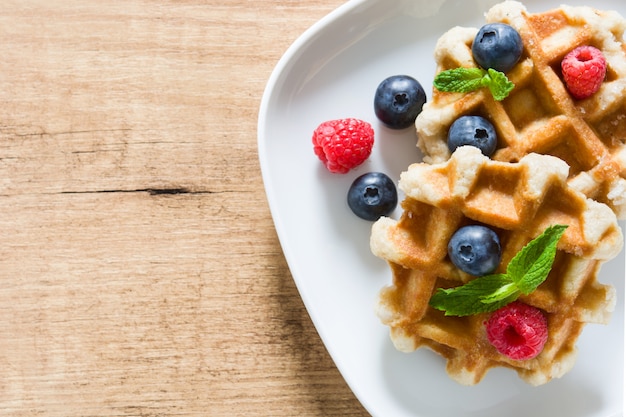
(459, 80)
(498, 84)
(468, 299)
(503, 293)
(465, 80)
(526, 271)
(531, 266)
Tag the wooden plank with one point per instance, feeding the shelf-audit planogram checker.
(141, 271)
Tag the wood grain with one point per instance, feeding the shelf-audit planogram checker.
(141, 272)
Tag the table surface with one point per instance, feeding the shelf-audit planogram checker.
(142, 275)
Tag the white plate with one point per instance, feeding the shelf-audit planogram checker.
(330, 72)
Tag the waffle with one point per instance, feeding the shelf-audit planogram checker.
(539, 115)
(519, 201)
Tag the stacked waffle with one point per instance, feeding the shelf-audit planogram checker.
(559, 161)
(540, 115)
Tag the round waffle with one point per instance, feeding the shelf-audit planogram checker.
(519, 201)
(539, 115)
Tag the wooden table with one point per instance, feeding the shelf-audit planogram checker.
(141, 271)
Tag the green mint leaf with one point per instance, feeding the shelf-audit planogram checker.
(531, 266)
(465, 80)
(459, 80)
(498, 84)
(526, 271)
(505, 292)
(468, 299)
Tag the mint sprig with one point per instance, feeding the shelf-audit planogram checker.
(464, 80)
(526, 271)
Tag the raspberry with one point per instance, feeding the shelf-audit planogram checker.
(343, 144)
(518, 331)
(584, 69)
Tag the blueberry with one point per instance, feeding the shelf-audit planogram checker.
(475, 249)
(475, 131)
(372, 195)
(497, 46)
(398, 101)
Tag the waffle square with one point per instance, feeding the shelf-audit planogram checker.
(519, 201)
(540, 116)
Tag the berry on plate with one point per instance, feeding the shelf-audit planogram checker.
(475, 249)
(497, 46)
(398, 101)
(372, 195)
(474, 131)
(518, 331)
(343, 144)
(584, 69)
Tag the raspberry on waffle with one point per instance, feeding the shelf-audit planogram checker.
(540, 115)
(519, 201)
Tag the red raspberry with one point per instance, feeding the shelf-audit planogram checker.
(343, 144)
(584, 70)
(518, 331)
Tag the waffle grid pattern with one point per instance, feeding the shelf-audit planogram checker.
(519, 200)
(539, 115)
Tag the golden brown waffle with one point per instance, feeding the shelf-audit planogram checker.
(518, 201)
(539, 115)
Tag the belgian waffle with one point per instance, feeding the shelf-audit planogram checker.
(540, 115)
(518, 201)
